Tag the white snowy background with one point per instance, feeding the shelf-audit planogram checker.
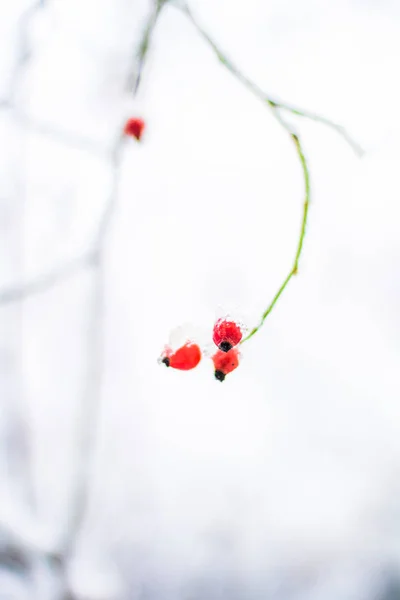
(284, 481)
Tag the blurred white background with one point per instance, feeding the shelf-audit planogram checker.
(282, 483)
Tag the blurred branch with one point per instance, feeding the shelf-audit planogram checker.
(17, 424)
(276, 108)
(61, 136)
(145, 45)
(95, 352)
(57, 275)
(94, 259)
(23, 46)
(18, 549)
(109, 209)
(88, 425)
(45, 282)
(52, 132)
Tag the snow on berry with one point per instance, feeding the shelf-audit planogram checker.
(182, 352)
(227, 334)
(134, 127)
(225, 362)
(185, 358)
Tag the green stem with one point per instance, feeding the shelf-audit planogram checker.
(294, 269)
(145, 42)
(257, 91)
(276, 107)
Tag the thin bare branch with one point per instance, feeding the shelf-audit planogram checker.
(86, 436)
(145, 44)
(45, 282)
(22, 546)
(60, 136)
(324, 121)
(57, 275)
(23, 47)
(24, 290)
(54, 133)
(261, 94)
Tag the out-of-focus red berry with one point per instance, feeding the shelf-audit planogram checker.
(226, 334)
(225, 362)
(134, 127)
(185, 358)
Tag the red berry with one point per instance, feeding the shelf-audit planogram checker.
(134, 127)
(226, 334)
(225, 362)
(185, 358)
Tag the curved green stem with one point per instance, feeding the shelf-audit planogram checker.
(276, 108)
(294, 269)
(265, 97)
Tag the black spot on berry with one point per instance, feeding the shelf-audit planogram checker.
(166, 361)
(219, 375)
(225, 346)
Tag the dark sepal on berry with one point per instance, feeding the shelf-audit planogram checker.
(225, 346)
(219, 375)
(165, 360)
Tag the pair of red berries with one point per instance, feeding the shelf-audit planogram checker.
(226, 335)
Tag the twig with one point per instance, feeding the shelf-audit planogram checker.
(61, 136)
(94, 258)
(92, 397)
(257, 91)
(90, 415)
(276, 107)
(24, 51)
(358, 150)
(22, 546)
(294, 268)
(19, 424)
(24, 290)
(45, 282)
(145, 44)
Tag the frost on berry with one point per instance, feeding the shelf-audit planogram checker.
(134, 127)
(227, 334)
(225, 362)
(185, 358)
